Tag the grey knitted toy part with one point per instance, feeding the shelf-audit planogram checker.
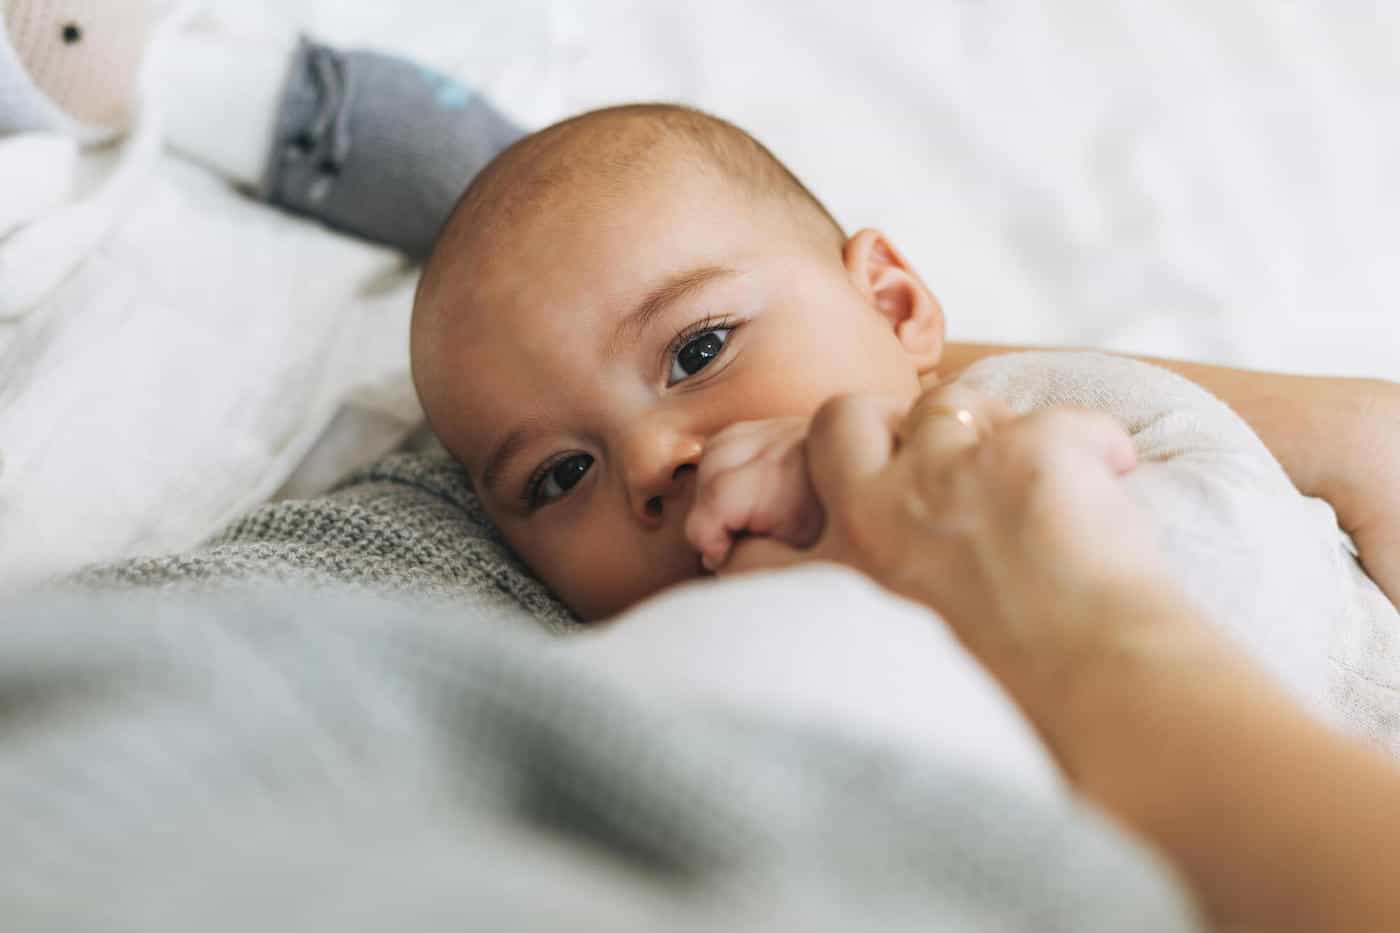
(377, 146)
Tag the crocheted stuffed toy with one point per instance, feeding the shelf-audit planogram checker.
(373, 145)
(72, 87)
(71, 66)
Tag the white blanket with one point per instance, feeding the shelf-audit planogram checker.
(822, 644)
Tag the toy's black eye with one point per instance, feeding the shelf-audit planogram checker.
(72, 33)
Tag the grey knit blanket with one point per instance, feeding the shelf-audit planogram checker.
(410, 524)
(271, 759)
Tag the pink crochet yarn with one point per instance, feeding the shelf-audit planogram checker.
(71, 65)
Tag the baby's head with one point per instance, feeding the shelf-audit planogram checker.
(613, 290)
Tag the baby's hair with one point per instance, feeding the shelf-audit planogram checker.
(604, 147)
(599, 150)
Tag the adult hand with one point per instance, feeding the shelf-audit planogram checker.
(1020, 533)
(1015, 529)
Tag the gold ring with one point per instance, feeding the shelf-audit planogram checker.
(960, 415)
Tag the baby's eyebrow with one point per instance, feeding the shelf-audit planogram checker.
(507, 450)
(676, 287)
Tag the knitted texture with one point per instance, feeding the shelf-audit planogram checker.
(84, 56)
(378, 146)
(409, 524)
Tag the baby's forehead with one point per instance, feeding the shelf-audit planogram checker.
(539, 219)
(552, 239)
(589, 235)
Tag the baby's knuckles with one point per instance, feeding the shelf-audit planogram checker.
(744, 442)
(729, 448)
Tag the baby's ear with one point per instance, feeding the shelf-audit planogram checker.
(894, 289)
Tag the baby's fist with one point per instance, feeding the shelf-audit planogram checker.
(752, 480)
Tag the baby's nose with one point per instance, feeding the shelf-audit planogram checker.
(655, 506)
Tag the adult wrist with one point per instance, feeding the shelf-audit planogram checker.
(1126, 639)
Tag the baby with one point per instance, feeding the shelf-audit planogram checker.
(630, 318)
(614, 292)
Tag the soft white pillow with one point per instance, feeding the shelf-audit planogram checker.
(177, 378)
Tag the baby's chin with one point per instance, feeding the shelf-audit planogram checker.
(748, 555)
(599, 607)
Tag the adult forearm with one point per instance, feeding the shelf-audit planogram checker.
(1276, 822)
(1296, 415)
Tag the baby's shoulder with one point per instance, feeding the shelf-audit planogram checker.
(1086, 379)
(1155, 405)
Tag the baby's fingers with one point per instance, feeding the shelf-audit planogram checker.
(723, 506)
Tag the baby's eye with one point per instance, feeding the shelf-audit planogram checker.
(696, 354)
(557, 478)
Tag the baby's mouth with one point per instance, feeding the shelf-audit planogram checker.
(700, 567)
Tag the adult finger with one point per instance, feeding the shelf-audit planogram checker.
(957, 394)
(852, 436)
(949, 419)
(1092, 432)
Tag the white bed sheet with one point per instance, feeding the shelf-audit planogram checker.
(1187, 178)
(1177, 177)
(182, 373)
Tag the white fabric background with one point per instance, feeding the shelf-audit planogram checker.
(1170, 176)
(1179, 177)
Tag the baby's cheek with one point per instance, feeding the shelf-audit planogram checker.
(606, 567)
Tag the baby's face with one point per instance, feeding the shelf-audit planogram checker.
(611, 336)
